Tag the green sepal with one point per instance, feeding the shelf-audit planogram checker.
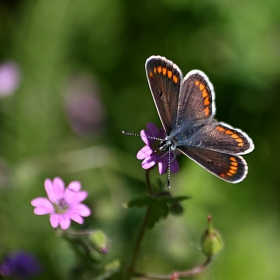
(211, 241)
(99, 241)
(110, 269)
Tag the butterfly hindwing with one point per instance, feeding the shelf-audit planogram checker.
(230, 168)
(219, 137)
(164, 79)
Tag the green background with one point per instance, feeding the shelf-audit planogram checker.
(236, 43)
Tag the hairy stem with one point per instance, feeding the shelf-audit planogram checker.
(141, 233)
(176, 274)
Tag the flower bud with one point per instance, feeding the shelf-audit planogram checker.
(99, 241)
(113, 266)
(211, 241)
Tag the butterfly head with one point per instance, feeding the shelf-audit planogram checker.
(167, 144)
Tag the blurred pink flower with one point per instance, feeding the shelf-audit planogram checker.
(151, 155)
(9, 78)
(63, 205)
(84, 109)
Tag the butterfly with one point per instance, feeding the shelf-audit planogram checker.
(186, 108)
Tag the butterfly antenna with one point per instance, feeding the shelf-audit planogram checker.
(130, 133)
(169, 167)
(139, 135)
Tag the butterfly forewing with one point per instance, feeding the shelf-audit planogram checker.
(196, 100)
(164, 80)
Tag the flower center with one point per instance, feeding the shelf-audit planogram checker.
(61, 206)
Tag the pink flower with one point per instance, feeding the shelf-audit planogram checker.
(83, 106)
(63, 205)
(9, 78)
(150, 153)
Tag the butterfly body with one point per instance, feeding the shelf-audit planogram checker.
(186, 108)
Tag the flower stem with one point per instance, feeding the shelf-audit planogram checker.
(72, 233)
(176, 274)
(195, 270)
(131, 266)
(148, 181)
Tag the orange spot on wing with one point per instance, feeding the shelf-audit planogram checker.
(155, 69)
(175, 79)
(232, 158)
(169, 74)
(197, 83)
(234, 135)
(234, 164)
(223, 175)
(233, 168)
(201, 86)
(220, 128)
(240, 142)
(206, 101)
(204, 93)
(164, 70)
(206, 111)
(232, 171)
(159, 69)
(229, 174)
(151, 74)
(229, 132)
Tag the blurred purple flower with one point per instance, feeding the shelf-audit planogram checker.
(150, 153)
(9, 78)
(63, 205)
(83, 106)
(20, 265)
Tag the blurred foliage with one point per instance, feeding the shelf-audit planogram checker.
(236, 43)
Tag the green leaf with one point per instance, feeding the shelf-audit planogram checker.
(161, 204)
(157, 212)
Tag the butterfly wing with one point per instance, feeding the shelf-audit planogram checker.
(215, 136)
(196, 99)
(230, 168)
(164, 79)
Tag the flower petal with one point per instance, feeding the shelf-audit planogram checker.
(75, 186)
(73, 197)
(42, 206)
(80, 209)
(149, 162)
(162, 165)
(152, 129)
(146, 151)
(58, 187)
(152, 132)
(54, 189)
(49, 190)
(76, 218)
(54, 220)
(64, 221)
(144, 136)
(174, 167)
